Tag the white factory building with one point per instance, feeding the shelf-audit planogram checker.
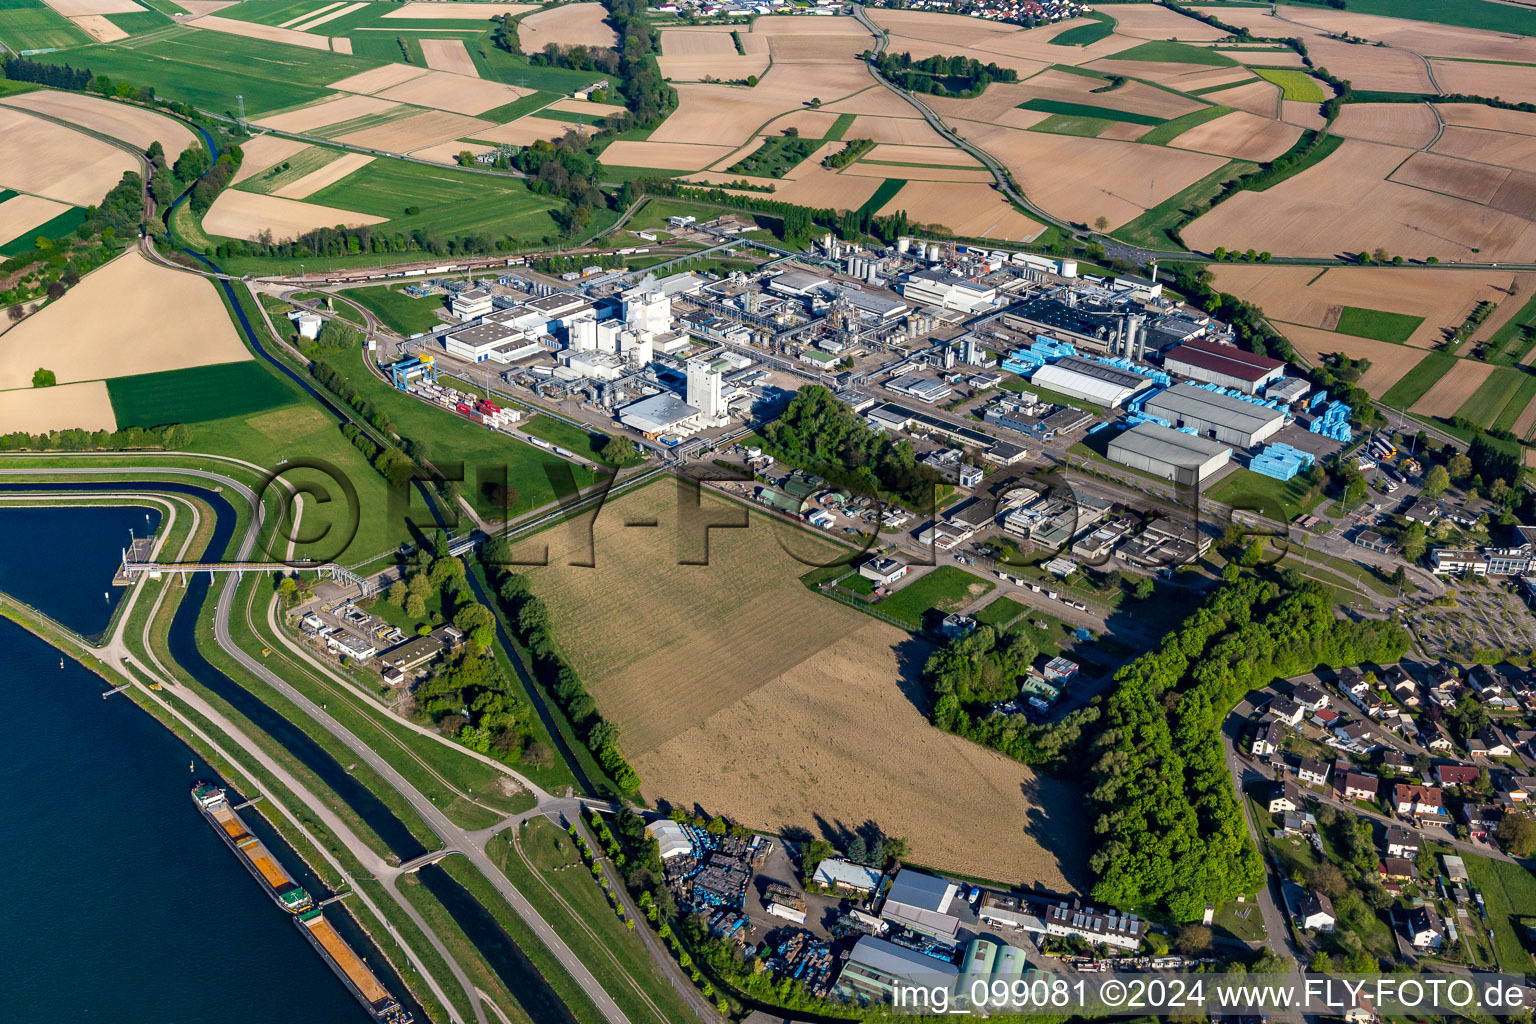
(1170, 454)
(1232, 421)
(493, 342)
(941, 288)
(1085, 379)
(662, 413)
(706, 389)
(1224, 365)
(471, 303)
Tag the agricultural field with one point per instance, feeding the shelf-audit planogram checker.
(33, 25)
(83, 406)
(197, 394)
(129, 317)
(54, 162)
(133, 125)
(763, 737)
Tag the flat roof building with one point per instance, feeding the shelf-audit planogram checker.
(875, 967)
(845, 876)
(1170, 454)
(1085, 379)
(1223, 418)
(1224, 365)
(664, 413)
(921, 902)
(941, 288)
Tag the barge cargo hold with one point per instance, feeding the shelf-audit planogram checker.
(308, 917)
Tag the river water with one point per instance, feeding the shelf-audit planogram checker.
(122, 905)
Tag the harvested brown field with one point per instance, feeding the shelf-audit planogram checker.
(1154, 21)
(133, 125)
(575, 106)
(55, 162)
(1396, 124)
(427, 128)
(921, 155)
(318, 179)
(863, 169)
(1123, 131)
(1418, 36)
(1133, 97)
(454, 9)
(1389, 362)
(20, 214)
(672, 156)
(1373, 67)
(266, 151)
(820, 187)
(695, 54)
(342, 107)
(448, 55)
(876, 100)
(82, 406)
(379, 78)
(245, 215)
(311, 13)
(578, 24)
(921, 48)
(99, 28)
(321, 17)
(1307, 115)
(1260, 97)
(807, 710)
(1451, 392)
(1240, 135)
(1001, 100)
(730, 115)
(901, 131)
(1263, 58)
(1478, 115)
(251, 30)
(1444, 298)
(811, 124)
(341, 44)
(131, 316)
(1517, 195)
(709, 41)
(1184, 77)
(448, 152)
(1453, 177)
(1516, 84)
(456, 93)
(1490, 147)
(1328, 208)
(525, 131)
(969, 210)
(953, 29)
(197, 8)
(1083, 179)
(86, 8)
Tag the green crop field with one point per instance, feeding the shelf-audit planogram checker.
(1509, 891)
(401, 313)
(139, 22)
(1418, 380)
(1070, 124)
(1509, 343)
(33, 25)
(1000, 612)
(1170, 130)
(1088, 110)
(265, 12)
(209, 69)
(1297, 85)
(945, 589)
(455, 203)
(1501, 397)
(1081, 35)
(196, 394)
(1378, 324)
(1483, 14)
(57, 227)
(1176, 53)
(882, 195)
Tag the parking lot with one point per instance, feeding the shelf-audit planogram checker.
(1486, 616)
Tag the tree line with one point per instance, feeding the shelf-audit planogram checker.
(962, 77)
(531, 622)
(172, 437)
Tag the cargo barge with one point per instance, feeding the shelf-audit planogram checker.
(308, 917)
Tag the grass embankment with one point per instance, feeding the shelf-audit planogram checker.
(404, 314)
(547, 869)
(1281, 500)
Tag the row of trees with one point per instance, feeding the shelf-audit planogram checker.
(1172, 833)
(824, 435)
(530, 619)
(172, 437)
(963, 77)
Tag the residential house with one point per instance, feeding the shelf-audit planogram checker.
(1358, 786)
(1482, 819)
(1267, 737)
(1325, 718)
(1394, 762)
(1286, 710)
(1485, 681)
(1434, 737)
(1425, 929)
(1426, 804)
(1493, 742)
(1280, 795)
(1352, 681)
(1397, 869)
(1314, 911)
(1456, 774)
(1520, 788)
(1407, 728)
(1312, 771)
(1310, 697)
(1402, 843)
(1356, 736)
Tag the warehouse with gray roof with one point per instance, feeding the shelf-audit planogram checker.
(1077, 377)
(1223, 418)
(1170, 454)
